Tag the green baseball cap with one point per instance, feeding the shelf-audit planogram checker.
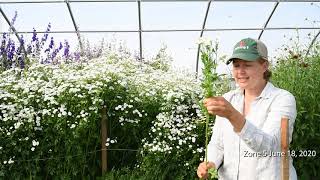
(249, 49)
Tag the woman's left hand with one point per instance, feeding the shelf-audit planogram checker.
(219, 106)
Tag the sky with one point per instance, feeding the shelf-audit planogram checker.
(170, 15)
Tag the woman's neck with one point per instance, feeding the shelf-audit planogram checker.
(250, 95)
(255, 91)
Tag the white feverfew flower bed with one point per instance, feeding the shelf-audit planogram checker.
(45, 105)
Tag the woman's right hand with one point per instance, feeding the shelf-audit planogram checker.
(203, 168)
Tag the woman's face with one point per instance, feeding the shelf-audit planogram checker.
(249, 74)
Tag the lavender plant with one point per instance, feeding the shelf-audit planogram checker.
(10, 54)
(43, 50)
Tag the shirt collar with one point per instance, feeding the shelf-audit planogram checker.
(266, 92)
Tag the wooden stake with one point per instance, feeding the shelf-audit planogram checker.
(104, 140)
(284, 148)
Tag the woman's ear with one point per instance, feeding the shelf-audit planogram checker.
(265, 65)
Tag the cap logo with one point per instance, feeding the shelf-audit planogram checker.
(242, 45)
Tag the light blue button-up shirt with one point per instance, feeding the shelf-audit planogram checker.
(253, 153)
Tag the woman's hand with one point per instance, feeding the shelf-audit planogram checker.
(203, 168)
(221, 107)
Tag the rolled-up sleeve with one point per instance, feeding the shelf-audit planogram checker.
(215, 146)
(268, 137)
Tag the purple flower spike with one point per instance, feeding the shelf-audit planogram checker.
(8, 45)
(66, 49)
(61, 46)
(21, 40)
(34, 35)
(54, 53)
(11, 51)
(21, 62)
(13, 20)
(29, 49)
(3, 43)
(45, 36)
(51, 43)
(4, 36)
(49, 27)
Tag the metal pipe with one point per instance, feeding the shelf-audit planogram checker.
(202, 30)
(175, 30)
(75, 26)
(266, 24)
(312, 42)
(86, 1)
(140, 29)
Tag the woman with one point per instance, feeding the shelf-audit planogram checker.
(245, 143)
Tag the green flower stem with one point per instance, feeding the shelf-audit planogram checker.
(209, 60)
(208, 118)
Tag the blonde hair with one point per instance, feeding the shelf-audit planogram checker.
(267, 74)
